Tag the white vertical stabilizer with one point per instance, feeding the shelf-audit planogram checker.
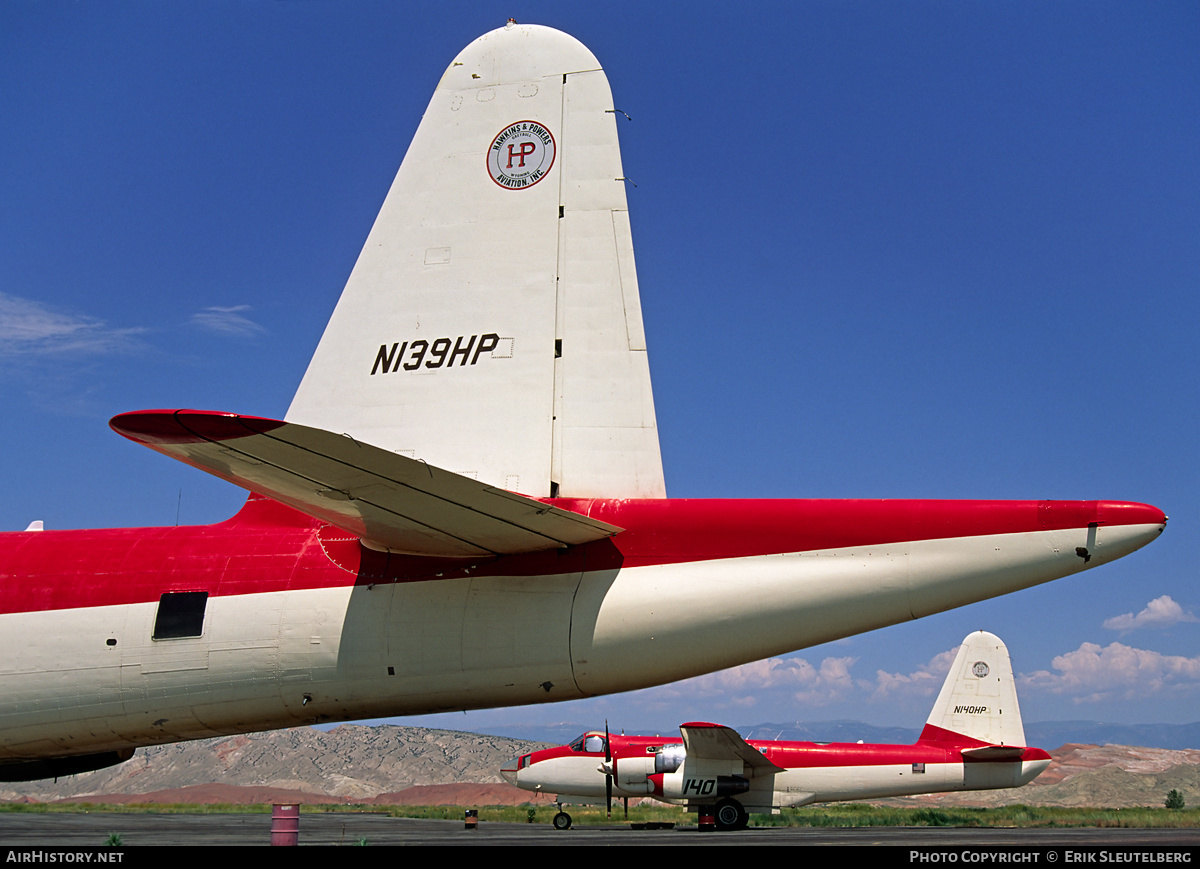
(979, 697)
(492, 325)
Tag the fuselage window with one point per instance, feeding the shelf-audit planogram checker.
(180, 614)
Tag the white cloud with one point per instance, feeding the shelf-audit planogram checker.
(795, 681)
(742, 686)
(923, 682)
(28, 327)
(1116, 671)
(832, 683)
(1162, 612)
(227, 321)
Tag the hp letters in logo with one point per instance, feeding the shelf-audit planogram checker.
(521, 155)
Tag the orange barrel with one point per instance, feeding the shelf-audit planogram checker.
(285, 824)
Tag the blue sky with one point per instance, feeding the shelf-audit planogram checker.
(885, 250)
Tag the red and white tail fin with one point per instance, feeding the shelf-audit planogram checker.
(978, 702)
(492, 324)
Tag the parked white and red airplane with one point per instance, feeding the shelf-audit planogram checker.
(488, 342)
(973, 740)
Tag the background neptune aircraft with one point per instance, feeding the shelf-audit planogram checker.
(973, 740)
(464, 506)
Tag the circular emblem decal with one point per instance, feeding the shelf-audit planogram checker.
(980, 669)
(521, 155)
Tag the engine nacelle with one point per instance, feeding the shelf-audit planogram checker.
(697, 785)
(632, 774)
(669, 758)
(53, 767)
(636, 774)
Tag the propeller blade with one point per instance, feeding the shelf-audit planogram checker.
(608, 764)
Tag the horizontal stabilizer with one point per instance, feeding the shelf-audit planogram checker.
(994, 752)
(390, 501)
(705, 741)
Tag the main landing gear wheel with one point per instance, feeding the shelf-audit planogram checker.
(562, 821)
(731, 816)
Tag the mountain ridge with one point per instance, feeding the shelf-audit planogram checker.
(390, 764)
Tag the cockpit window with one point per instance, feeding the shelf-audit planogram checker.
(589, 743)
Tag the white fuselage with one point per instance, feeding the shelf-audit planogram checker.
(91, 679)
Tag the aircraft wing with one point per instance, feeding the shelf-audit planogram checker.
(994, 752)
(392, 502)
(716, 742)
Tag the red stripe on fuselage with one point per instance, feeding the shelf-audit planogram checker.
(268, 547)
(809, 755)
(940, 735)
(680, 530)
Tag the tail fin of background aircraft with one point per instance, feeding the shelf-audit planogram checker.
(492, 324)
(979, 697)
